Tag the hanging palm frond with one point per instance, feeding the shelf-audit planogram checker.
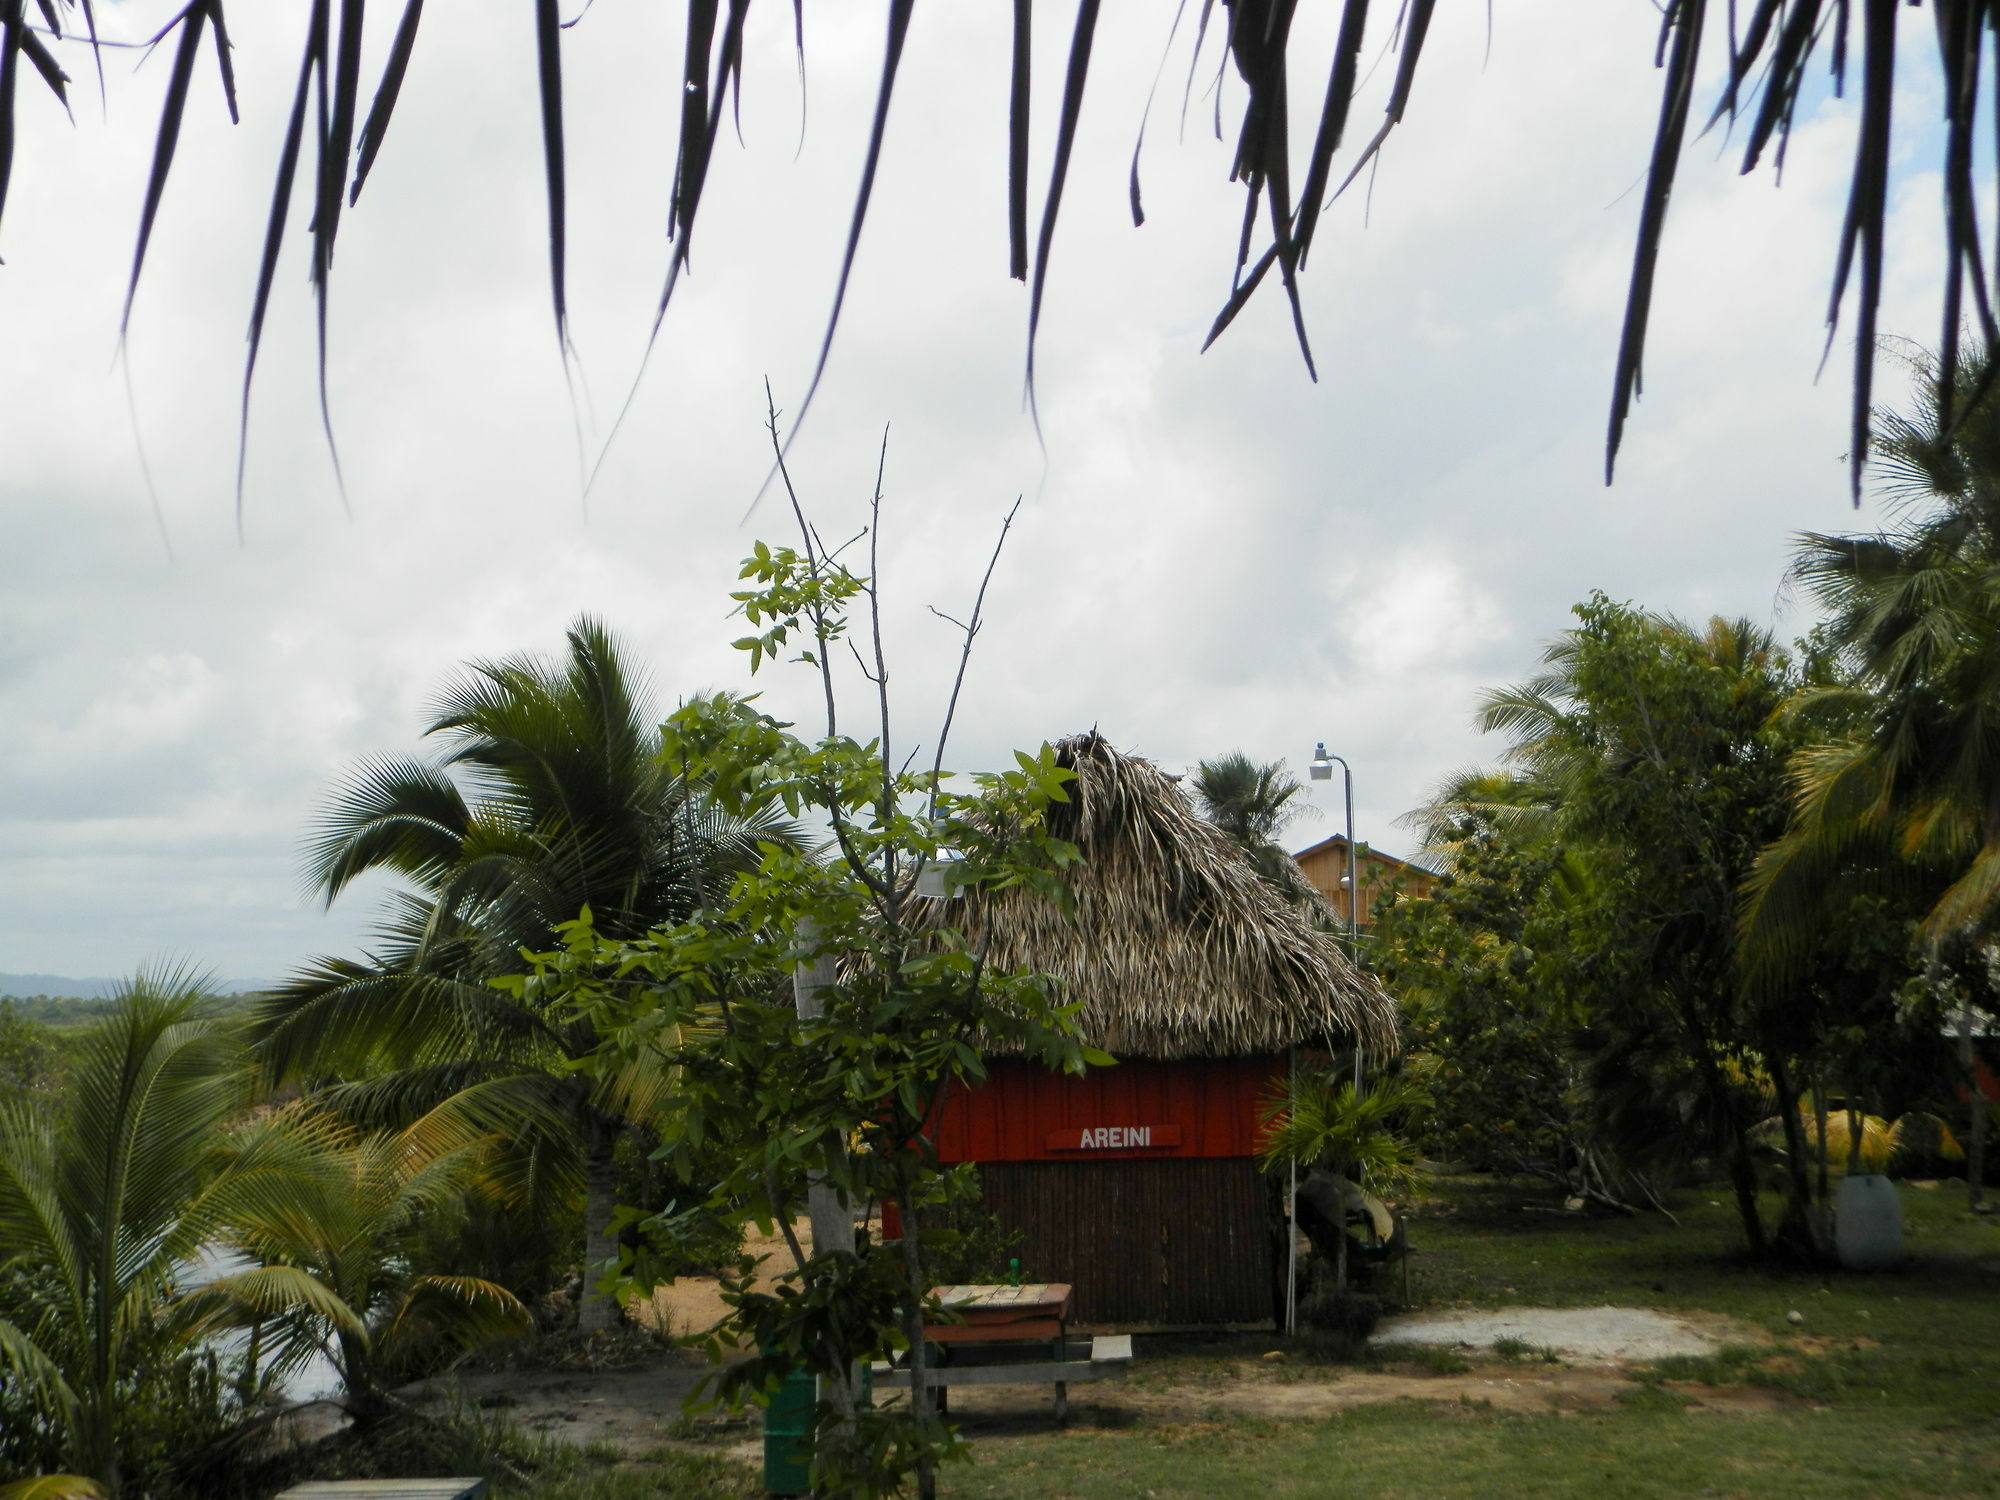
(1766, 47)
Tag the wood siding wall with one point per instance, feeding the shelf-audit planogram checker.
(1325, 865)
(1163, 1242)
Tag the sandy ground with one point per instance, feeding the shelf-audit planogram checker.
(1588, 1334)
(693, 1302)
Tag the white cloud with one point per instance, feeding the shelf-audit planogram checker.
(1213, 552)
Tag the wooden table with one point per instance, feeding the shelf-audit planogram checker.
(998, 1321)
(1039, 1310)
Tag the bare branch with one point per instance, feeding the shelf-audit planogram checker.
(881, 674)
(971, 630)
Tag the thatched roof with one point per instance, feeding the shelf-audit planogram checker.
(1177, 947)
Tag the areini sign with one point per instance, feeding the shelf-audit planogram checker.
(1112, 1137)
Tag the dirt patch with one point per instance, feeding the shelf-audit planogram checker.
(1732, 1398)
(1282, 1392)
(633, 1410)
(639, 1409)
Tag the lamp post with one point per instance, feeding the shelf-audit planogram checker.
(1321, 769)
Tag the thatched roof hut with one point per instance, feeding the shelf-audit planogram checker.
(1176, 946)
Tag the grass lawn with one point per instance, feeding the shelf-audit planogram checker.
(1890, 1384)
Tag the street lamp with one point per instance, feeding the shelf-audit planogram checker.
(1321, 769)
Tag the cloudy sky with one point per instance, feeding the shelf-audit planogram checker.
(1213, 552)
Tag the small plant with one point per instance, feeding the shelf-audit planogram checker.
(1730, 1365)
(1519, 1351)
(1652, 1396)
(1432, 1359)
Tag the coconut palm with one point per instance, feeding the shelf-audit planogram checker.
(1344, 1137)
(105, 1198)
(1248, 801)
(1911, 767)
(1253, 804)
(549, 797)
(1474, 798)
(348, 1228)
(1899, 798)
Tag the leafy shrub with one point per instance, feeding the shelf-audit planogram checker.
(185, 1419)
(1337, 1321)
(964, 1244)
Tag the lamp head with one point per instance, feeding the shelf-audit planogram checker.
(935, 880)
(1321, 767)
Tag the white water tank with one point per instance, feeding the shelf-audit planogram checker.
(1868, 1223)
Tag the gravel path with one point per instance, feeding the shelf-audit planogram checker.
(1593, 1333)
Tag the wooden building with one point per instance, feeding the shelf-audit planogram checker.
(1325, 866)
(1138, 1184)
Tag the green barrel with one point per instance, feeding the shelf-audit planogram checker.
(787, 1459)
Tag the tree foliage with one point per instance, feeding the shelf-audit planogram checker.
(334, 1266)
(1584, 965)
(1499, 978)
(780, 1101)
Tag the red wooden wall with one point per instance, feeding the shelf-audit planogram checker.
(1204, 1107)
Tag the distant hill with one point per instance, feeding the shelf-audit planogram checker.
(57, 986)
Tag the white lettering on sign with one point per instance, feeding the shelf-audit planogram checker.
(1114, 1138)
(1111, 1136)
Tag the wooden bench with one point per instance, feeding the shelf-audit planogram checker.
(1110, 1355)
(387, 1489)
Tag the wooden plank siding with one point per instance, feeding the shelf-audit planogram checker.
(1170, 1242)
(1325, 865)
(1136, 1183)
(1210, 1103)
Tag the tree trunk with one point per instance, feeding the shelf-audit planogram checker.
(1742, 1171)
(1975, 1136)
(1821, 1117)
(1743, 1177)
(1799, 1223)
(923, 1400)
(597, 1312)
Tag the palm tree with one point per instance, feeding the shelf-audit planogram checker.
(1345, 1137)
(1900, 796)
(1252, 803)
(1476, 798)
(106, 1197)
(337, 1258)
(550, 797)
(1912, 767)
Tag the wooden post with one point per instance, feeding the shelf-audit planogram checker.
(832, 1220)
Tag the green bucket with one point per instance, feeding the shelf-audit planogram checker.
(787, 1455)
(787, 1458)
